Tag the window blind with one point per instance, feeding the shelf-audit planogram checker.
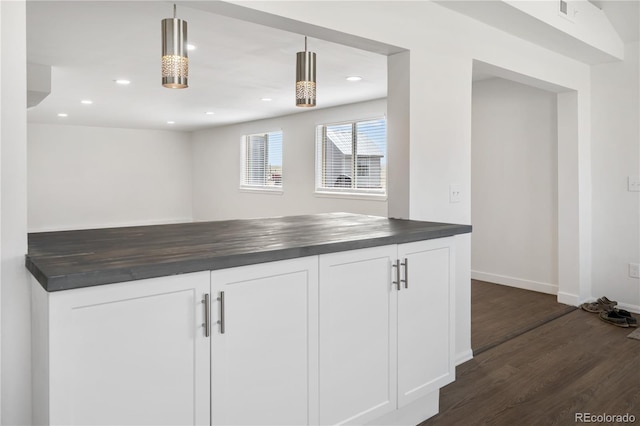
(351, 157)
(262, 161)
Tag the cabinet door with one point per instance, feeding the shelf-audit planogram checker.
(356, 340)
(261, 364)
(425, 319)
(130, 354)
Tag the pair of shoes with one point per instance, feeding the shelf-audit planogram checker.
(619, 317)
(606, 308)
(603, 304)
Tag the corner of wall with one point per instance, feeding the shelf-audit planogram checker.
(15, 387)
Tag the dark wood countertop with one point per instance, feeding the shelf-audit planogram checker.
(74, 259)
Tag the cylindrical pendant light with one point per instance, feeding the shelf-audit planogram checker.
(305, 78)
(175, 62)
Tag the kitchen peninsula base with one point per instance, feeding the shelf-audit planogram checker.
(356, 331)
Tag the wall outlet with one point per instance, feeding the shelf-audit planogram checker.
(634, 270)
(633, 184)
(454, 192)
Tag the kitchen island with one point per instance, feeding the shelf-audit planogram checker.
(317, 319)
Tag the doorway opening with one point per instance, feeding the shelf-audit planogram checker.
(514, 205)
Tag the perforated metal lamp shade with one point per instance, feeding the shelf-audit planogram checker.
(305, 78)
(175, 61)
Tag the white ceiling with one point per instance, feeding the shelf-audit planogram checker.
(90, 44)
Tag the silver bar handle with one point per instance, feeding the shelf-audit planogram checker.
(397, 281)
(207, 313)
(221, 321)
(406, 272)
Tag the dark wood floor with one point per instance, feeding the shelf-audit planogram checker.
(500, 313)
(575, 363)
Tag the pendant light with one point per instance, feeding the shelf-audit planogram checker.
(305, 78)
(175, 63)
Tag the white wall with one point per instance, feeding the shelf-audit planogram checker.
(398, 132)
(443, 45)
(85, 177)
(514, 181)
(590, 24)
(216, 168)
(616, 155)
(15, 371)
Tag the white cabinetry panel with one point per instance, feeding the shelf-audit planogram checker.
(383, 347)
(357, 313)
(425, 319)
(262, 364)
(131, 353)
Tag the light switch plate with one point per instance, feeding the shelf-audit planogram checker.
(633, 184)
(455, 190)
(634, 270)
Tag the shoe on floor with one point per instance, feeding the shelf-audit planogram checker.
(593, 307)
(631, 320)
(613, 317)
(598, 306)
(604, 300)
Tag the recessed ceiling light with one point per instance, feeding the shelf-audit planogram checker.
(354, 78)
(266, 99)
(63, 114)
(171, 122)
(86, 102)
(209, 112)
(191, 47)
(123, 82)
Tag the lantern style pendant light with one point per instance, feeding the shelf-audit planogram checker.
(175, 62)
(305, 78)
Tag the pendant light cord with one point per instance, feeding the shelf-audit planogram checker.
(305, 43)
(174, 11)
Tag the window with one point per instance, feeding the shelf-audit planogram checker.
(351, 157)
(262, 161)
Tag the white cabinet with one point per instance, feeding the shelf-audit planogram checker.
(326, 339)
(357, 346)
(123, 354)
(383, 347)
(426, 360)
(264, 350)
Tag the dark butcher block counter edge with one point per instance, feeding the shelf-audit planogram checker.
(73, 259)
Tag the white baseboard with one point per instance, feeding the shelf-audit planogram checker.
(631, 308)
(569, 299)
(572, 299)
(464, 357)
(105, 224)
(412, 414)
(516, 282)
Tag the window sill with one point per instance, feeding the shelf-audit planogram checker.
(351, 196)
(270, 191)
